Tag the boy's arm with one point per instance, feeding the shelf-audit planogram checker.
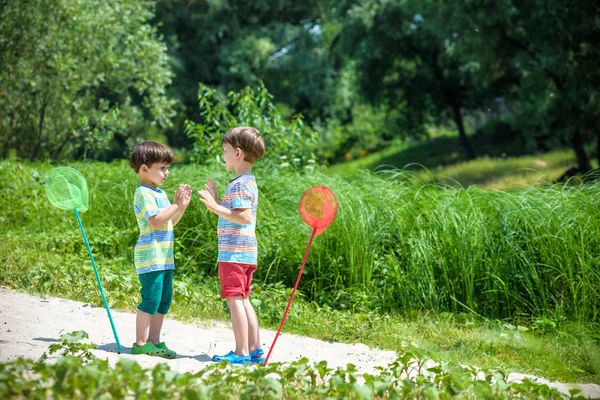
(158, 220)
(175, 210)
(240, 216)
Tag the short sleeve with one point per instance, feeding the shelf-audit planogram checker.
(240, 196)
(146, 204)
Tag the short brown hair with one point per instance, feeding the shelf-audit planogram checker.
(149, 152)
(248, 139)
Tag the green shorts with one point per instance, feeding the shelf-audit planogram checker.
(156, 291)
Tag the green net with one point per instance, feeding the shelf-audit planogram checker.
(66, 189)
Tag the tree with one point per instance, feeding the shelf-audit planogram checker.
(77, 74)
(290, 144)
(231, 44)
(553, 46)
(404, 61)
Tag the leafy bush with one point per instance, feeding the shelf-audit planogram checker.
(289, 144)
(76, 73)
(411, 376)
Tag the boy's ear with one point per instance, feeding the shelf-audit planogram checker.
(143, 169)
(239, 152)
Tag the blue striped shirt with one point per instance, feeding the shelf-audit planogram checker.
(237, 242)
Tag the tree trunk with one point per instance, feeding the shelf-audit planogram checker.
(450, 99)
(598, 146)
(35, 149)
(462, 135)
(583, 161)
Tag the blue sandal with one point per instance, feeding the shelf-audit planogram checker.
(232, 358)
(257, 356)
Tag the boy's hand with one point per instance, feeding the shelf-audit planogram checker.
(186, 192)
(212, 189)
(208, 200)
(177, 198)
(182, 196)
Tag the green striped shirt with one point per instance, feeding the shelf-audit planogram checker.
(154, 248)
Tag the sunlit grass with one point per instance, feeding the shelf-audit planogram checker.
(396, 252)
(523, 253)
(503, 173)
(439, 161)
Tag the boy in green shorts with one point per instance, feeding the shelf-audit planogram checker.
(154, 261)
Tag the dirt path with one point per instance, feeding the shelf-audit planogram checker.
(29, 324)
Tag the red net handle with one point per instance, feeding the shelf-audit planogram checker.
(318, 208)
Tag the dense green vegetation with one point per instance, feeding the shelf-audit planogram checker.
(438, 161)
(512, 274)
(360, 72)
(529, 253)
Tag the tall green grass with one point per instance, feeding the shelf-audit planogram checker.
(529, 253)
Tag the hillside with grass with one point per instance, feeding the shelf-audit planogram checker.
(503, 162)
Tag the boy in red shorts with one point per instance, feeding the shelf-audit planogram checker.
(242, 147)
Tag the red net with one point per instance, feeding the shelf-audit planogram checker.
(318, 208)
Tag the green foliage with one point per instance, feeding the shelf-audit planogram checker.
(288, 144)
(505, 161)
(410, 376)
(361, 280)
(70, 345)
(406, 66)
(77, 73)
(370, 130)
(395, 245)
(88, 79)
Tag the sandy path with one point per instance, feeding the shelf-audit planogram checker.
(29, 324)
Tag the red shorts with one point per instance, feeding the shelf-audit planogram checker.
(235, 279)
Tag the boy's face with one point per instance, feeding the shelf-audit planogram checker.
(156, 174)
(230, 156)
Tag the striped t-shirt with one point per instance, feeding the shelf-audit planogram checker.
(237, 243)
(154, 248)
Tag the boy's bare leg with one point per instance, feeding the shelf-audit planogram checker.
(239, 322)
(253, 332)
(142, 323)
(156, 323)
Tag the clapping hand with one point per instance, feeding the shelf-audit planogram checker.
(211, 189)
(208, 200)
(183, 195)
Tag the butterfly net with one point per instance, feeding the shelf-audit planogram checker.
(66, 189)
(318, 208)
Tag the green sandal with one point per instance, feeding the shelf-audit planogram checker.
(170, 354)
(149, 349)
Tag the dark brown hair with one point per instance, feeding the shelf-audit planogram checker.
(248, 139)
(149, 152)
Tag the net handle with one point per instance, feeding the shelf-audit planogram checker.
(287, 309)
(87, 244)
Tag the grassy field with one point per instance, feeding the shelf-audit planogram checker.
(440, 161)
(494, 279)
